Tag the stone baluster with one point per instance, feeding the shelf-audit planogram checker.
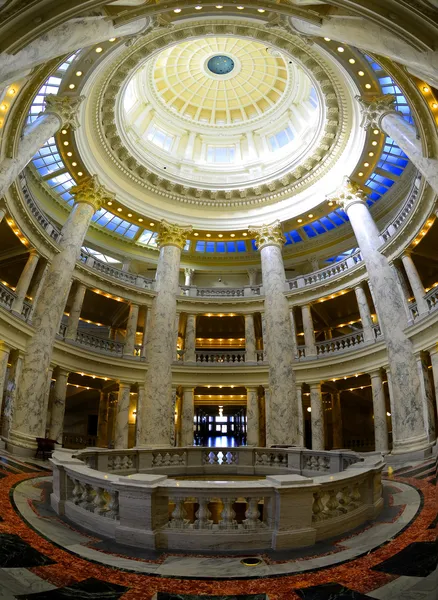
(253, 417)
(60, 112)
(252, 514)
(408, 418)
(102, 420)
(365, 314)
(24, 282)
(190, 340)
(113, 505)
(309, 331)
(317, 417)
(156, 418)
(338, 441)
(99, 501)
(179, 515)
(122, 416)
(373, 37)
(250, 341)
(283, 405)
(58, 405)
(187, 416)
(29, 420)
(131, 330)
(379, 407)
(380, 113)
(415, 283)
(203, 515)
(75, 311)
(426, 391)
(64, 38)
(228, 515)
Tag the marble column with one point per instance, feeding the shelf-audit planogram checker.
(75, 311)
(372, 37)
(426, 391)
(65, 38)
(60, 112)
(415, 283)
(253, 417)
(190, 340)
(145, 333)
(301, 439)
(408, 417)
(309, 332)
(250, 341)
(252, 276)
(264, 337)
(24, 282)
(2, 213)
(172, 425)
(122, 416)
(156, 414)
(379, 409)
(38, 282)
(283, 404)
(131, 330)
(4, 357)
(176, 336)
(433, 352)
(293, 332)
(58, 406)
(29, 420)
(338, 438)
(365, 314)
(140, 410)
(404, 290)
(102, 420)
(380, 113)
(10, 395)
(317, 417)
(188, 276)
(187, 416)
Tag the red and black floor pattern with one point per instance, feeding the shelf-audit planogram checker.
(23, 551)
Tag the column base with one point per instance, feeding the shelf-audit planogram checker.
(410, 452)
(417, 444)
(21, 444)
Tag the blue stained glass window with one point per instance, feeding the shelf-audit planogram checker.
(335, 218)
(327, 223)
(241, 246)
(200, 246)
(209, 246)
(231, 247)
(318, 227)
(295, 236)
(309, 231)
(220, 247)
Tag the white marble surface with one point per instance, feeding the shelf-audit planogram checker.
(282, 407)
(317, 417)
(301, 430)
(415, 283)
(365, 314)
(4, 357)
(338, 441)
(102, 421)
(379, 410)
(156, 416)
(75, 311)
(131, 330)
(372, 37)
(122, 416)
(406, 402)
(187, 415)
(253, 417)
(24, 282)
(190, 339)
(427, 395)
(29, 418)
(309, 331)
(9, 397)
(293, 332)
(58, 406)
(250, 341)
(62, 39)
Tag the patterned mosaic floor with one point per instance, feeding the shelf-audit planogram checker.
(402, 566)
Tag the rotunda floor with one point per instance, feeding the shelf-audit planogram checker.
(43, 557)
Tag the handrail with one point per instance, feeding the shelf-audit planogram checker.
(340, 343)
(220, 356)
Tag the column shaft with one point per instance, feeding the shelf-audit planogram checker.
(365, 314)
(38, 282)
(187, 417)
(2, 213)
(250, 342)
(131, 330)
(58, 406)
(190, 340)
(434, 360)
(426, 392)
(283, 405)
(301, 441)
(75, 311)
(415, 283)
(379, 407)
(29, 421)
(309, 332)
(10, 396)
(102, 421)
(145, 333)
(317, 417)
(293, 333)
(24, 282)
(140, 411)
(253, 417)
(4, 357)
(338, 438)
(122, 416)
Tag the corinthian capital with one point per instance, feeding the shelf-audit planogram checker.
(173, 235)
(348, 193)
(64, 107)
(268, 235)
(91, 191)
(375, 109)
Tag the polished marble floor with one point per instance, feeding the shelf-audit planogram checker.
(43, 557)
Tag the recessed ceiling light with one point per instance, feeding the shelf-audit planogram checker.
(375, 131)
(64, 131)
(219, 6)
(208, 234)
(78, 73)
(99, 49)
(69, 153)
(426, 89)
(366, 164)
(151, 224)
(351, 61)
(119, 210)
(112, 39)
(244, 234)
(109, 203)
(72, 86)
(74, 164)
(360, 174)
(129, 214)
(340, 49)
(374, 143)
(370, 153)
(196, 234)
(232, 235)
(261, 10)
(330, 203)
(220, 235)
(434, 105)
(80, 173)
(310, 215)
(361, 73)
(65, 143)
(368, 86)
(300, 220)
(327, 39)
(198, 7)
(240, 7)
(140, 220)
(177, 10)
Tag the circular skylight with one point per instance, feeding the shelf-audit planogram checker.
(220, 64)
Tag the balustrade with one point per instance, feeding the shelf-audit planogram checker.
(340, 344)
(220, 357)
(7, 296)
(152, 511)
(432, 298)
(220, 292)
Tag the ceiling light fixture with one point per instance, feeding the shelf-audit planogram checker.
(351, 61)
(340, 49)
(99, 50)
(368, 86)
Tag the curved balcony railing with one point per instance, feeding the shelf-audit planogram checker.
(220, 357)
(432, 298)
(111, 271)
(326, 273)
(340, 344)
(7, 296)
(216, 292)
(107, 492)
